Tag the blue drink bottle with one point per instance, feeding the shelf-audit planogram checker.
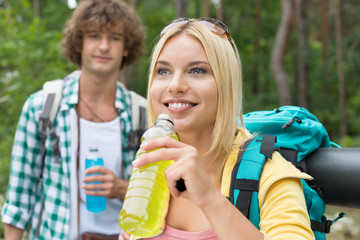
(94, 203)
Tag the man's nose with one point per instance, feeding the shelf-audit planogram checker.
(104, 43)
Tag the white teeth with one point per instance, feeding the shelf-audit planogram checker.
(179, 105)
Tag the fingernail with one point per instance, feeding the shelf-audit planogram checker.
(143, 144)
(136, 162)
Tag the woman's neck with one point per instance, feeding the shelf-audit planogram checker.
(202, 142)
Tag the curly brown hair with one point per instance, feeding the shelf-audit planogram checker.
(102, 15)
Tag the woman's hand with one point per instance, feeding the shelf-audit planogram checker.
(125, 236)
(187, 166)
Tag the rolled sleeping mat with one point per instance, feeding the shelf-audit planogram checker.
(336, 172)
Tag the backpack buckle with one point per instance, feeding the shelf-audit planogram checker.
(328, 224)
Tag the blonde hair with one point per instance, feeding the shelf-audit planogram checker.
(225, 62)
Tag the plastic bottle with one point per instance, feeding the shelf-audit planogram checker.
(94, 203)
(147, 198)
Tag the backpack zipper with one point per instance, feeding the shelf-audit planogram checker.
(290, 122)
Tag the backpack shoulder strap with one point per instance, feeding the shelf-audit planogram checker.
(139, 119)
(246, 174)
(51, 101)
(54, 90)
(52, 94)
(138, 109)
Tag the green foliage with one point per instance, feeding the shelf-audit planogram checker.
(153, 24)
(30, 55)
(349, 141)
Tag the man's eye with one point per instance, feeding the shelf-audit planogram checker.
(116, 38)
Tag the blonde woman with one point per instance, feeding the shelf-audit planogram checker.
(195, 76)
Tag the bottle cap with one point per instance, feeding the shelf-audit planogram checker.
(165, 116)
(93, 148)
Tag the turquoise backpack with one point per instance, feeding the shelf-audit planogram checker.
(295, 133)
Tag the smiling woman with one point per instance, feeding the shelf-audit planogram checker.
(195, 76)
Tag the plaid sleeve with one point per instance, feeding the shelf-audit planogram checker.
(123, 104)
(25, 166)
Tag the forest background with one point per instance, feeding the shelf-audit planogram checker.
(300, 52)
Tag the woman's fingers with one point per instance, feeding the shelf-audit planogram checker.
(160, 142)
(164, 148)
(187, 166)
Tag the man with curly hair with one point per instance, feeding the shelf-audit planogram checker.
(101, 38)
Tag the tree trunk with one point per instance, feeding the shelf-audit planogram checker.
(220, 11)
(37, 8)
(133, 3)
(340, 66)
(303, 48)
(197, 8)
(255, 76)
(278, 52)
(207, 9)
(181, 8)
(324, 41)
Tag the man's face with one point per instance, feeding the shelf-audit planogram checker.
(103, 51)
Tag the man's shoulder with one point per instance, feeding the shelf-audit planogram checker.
(35, 100)
(67, 89)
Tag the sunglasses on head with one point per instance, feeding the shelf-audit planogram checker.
(214, 25)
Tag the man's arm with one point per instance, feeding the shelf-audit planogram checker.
(12, 233)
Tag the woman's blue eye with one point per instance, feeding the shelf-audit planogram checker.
(197, 71)
(163, 71)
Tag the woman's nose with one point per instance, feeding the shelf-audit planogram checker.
(178, 83)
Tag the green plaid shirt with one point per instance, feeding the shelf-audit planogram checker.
(23, 202)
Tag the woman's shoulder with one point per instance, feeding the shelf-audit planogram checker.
(278, 168)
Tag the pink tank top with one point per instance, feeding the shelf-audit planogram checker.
(175, 234)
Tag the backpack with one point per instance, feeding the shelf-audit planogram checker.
(51, 102)
(295, 133)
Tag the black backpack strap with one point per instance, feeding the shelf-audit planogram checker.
(139, 120)
(237, 183)
(325, 225)
(291, 155)
(142, 117)
(246, 173)
(267, 146)
(247, 187)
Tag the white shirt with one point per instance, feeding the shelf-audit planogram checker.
(107, 137)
